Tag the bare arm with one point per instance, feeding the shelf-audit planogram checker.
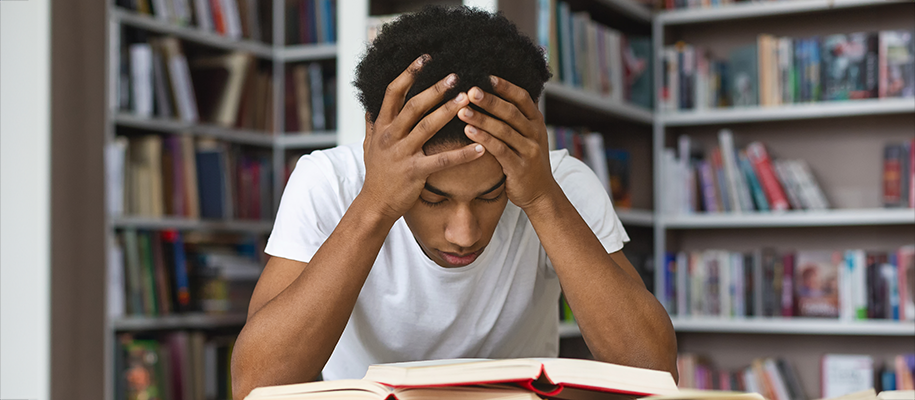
(299, 311)
(620, 320)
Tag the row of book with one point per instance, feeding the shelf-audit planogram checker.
(158, 273)
(585, 54)
(310, 98)
(849, 285)
(783, 70)
(725, 179)
(235, 19)
(164, 175)
(180, 365)
(232, 90)
(774, 378)
(311, 21)
(611, 165)
(686, 4)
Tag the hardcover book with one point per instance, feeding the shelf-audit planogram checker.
(744, 76)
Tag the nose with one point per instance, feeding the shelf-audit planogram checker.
(462, 228)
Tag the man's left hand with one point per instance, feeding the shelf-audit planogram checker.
(516, 137)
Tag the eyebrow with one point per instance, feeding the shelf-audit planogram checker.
(439, 192)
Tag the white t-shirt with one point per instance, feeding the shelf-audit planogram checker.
(503, 305)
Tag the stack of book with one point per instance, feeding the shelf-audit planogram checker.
(155, 176)
(728, 180)
(777, 71)
(178, 365)
(158, 273)
(848, 373)
(236, 19)
(848, 285)
(585, 54)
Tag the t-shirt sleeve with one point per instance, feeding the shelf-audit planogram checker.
(582, 187)
(311, 206)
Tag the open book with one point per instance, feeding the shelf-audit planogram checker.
(526, 378)
(358, 389)
(552, 377)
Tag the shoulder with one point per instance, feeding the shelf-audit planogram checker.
(567, 169)
(340, 169)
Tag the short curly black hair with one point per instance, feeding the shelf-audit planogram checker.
(471, 43)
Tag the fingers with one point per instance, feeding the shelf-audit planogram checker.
(397, 90)
(501, 109)
(516, 95)
(432, 123)
(420, 104)
(477, 120)
(428, 165)
(505, 155)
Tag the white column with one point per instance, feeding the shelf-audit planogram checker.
(25, 182)
(351, 42)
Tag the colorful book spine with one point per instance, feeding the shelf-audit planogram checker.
(762, 165)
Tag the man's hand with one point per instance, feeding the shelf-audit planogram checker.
(517, 139)
(395, 166)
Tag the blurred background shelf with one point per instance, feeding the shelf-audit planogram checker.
(826, 109)
(759, 9)
(187, 321)
(598, 103)
(197, 225)
(848, 217)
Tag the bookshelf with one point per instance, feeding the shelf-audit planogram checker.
(272, 141)
(843, 142)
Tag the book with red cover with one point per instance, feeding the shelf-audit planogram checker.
(762, 164)
(550, 377)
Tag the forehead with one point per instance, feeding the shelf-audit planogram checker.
(469, 179)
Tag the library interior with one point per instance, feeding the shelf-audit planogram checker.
(759, 154)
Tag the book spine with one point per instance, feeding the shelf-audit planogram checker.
(762, 165)
(787, 300)
(892, 175)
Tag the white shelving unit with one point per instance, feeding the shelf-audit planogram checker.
(598, 103)
(276, 53)
(636, 217)
(713, 336)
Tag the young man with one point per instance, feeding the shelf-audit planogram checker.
(447, 233)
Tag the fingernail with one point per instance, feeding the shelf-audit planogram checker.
(477, 94)
(471, 130)
(460, 98)
(468, 112)
(450, 80)
(479, 148)
(493, 80)
(421, 60)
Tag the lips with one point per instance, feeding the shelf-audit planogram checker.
(459, 260)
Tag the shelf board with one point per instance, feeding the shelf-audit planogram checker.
(196, 225)
(568, 330)
(635, 217)
(826, 109)
(308, 140)
(598, 103)
(630, 8)
(760, 9)
(308, 52)
(844, 217)
(192, 34)
(242, 136)
(794, 326)
(187, 321)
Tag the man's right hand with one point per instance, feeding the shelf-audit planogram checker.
(395, 166)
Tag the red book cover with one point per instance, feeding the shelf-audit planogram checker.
(219, 21)
(892, 175)
(762, 164)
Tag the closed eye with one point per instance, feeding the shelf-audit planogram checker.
(492, 200)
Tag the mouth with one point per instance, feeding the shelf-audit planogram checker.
(459, 260)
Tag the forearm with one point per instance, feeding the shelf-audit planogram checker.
(292, 336)
(620, 320)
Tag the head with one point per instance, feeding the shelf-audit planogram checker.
(458, 210)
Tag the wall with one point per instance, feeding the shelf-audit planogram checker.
(25, 199)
